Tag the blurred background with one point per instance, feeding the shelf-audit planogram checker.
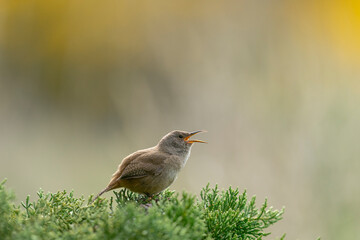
(275, 83)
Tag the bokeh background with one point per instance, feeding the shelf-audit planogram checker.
(276, 83)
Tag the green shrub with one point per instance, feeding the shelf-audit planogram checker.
(8, 213)
(230, 216)
(225, 215)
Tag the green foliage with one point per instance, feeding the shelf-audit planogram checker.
(8, 213)
(230, 216)
(225, 215)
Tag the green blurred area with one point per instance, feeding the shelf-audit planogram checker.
(275, 83)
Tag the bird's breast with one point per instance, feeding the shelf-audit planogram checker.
(186, 158)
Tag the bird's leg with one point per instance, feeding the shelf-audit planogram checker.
(149, 197)
(156, 197)
(145, 198)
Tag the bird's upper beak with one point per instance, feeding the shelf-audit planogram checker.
(186, 139)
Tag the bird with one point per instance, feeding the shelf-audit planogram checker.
(150, 171)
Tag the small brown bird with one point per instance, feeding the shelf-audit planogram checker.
(150, 171)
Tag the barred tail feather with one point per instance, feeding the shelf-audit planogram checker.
(101, 193)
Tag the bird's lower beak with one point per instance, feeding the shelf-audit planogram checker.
(186, 139)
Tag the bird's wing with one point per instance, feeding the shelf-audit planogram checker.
(144, 165)
(126, 161)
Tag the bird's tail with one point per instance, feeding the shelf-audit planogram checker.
(101, 193)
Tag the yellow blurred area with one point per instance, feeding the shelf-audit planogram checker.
(344, 29)
(334, 24)
(275, 83)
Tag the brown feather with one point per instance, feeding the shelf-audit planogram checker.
(150, 171)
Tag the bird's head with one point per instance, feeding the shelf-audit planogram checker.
(178, 142)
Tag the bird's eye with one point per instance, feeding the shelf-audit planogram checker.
(180, 136)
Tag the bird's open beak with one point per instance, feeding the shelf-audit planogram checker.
(186, 139)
